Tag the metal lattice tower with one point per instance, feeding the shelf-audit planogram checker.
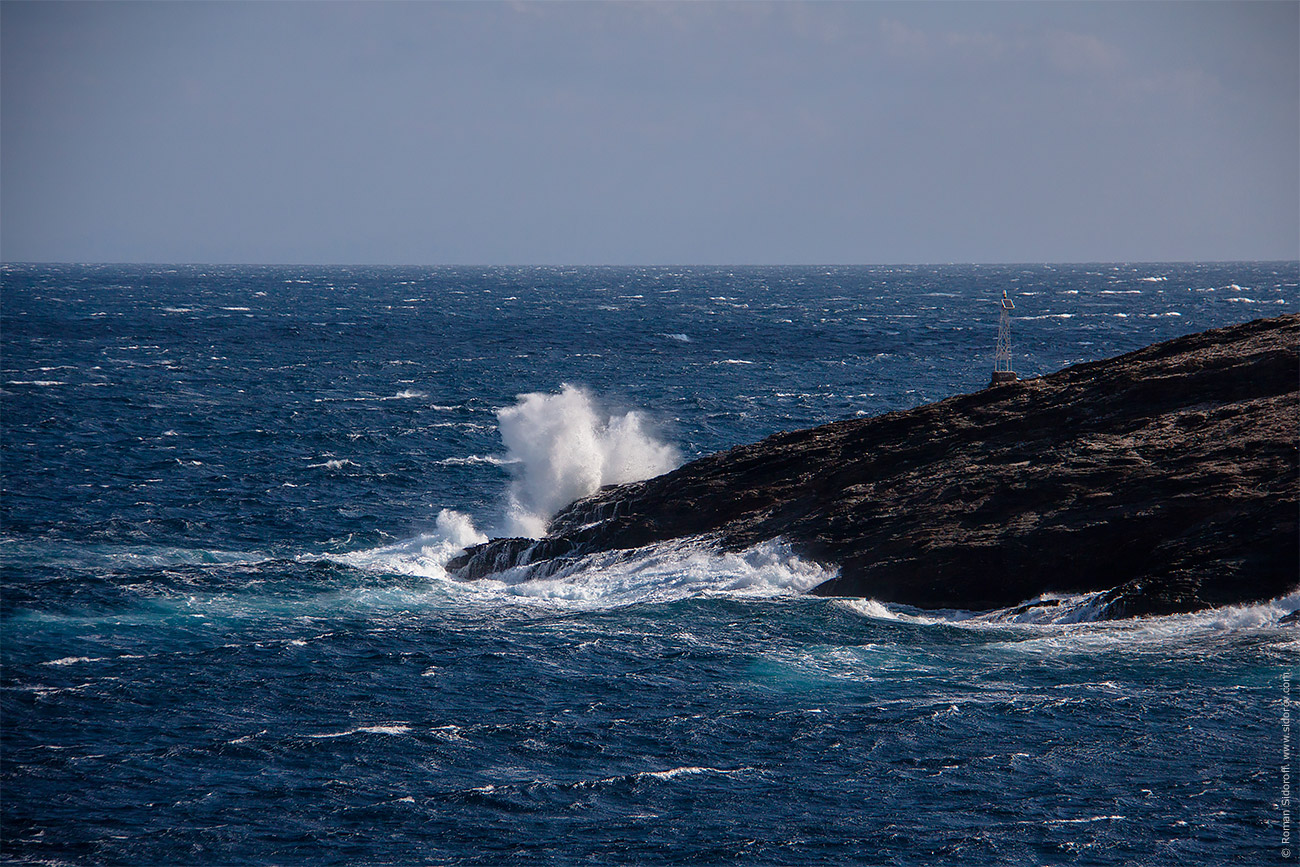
(1002, 371)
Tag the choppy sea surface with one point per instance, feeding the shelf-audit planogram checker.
(228, 493)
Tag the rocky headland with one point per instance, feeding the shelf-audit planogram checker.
(1165, 478)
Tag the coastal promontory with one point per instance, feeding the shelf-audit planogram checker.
(1166, 478)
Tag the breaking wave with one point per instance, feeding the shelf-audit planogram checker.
(561, 448)
(425, 555)
(1078, 621)
(665, 572)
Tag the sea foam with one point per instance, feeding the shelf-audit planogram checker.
(663, 572)
(425, 555)
(559, 448)
(1078, 622)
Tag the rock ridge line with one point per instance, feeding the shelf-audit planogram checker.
(1167, 478)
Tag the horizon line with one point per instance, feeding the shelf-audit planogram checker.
(1042, 263)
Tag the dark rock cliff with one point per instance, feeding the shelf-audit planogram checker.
(1167, 477)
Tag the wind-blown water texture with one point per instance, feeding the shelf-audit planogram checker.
(228, 494)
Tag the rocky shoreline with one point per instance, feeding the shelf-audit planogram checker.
(1167, 478)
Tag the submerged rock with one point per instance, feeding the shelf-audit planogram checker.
(1167, 477)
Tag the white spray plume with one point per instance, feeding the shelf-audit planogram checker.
(565, 451)
(458, 529)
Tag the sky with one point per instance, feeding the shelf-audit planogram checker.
(649, 133)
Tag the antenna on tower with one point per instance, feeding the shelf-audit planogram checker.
(1002, 371)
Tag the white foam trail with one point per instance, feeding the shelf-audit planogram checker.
(387, 729)
(666, 572)
(494, 460)
(669, 571)
(566, 450)
(1073, 622)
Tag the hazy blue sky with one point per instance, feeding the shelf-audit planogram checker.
(476, 133)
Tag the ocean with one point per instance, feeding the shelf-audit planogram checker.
(228, 493)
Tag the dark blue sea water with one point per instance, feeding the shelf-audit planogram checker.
(228, 639)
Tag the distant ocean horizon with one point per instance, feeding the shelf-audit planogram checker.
(434, 266)
(227, 493)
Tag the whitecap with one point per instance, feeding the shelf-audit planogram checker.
(449, 733)
(494, 460)
(74, 660)
(1086, 821)
(691, 770)
(394, 729)
(332, 464)
(461, 425)
(869, 608)
(246, 738)
(379, 729)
